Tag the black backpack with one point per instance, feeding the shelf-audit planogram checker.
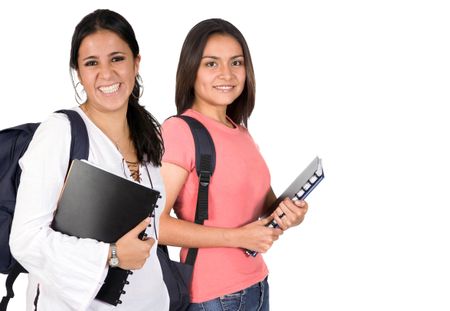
(177, 275)
(13, 144)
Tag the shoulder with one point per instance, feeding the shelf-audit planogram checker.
(176, 129)
(61, 120)
(50, 143)
(179, 147)
(57, 119)
(56, 126)
(174, 123)
(54, 130)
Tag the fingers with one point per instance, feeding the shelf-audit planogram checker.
(134, 253)
(283, 225)
(144, 247)
(270, 238)
(276, 233)
(131, 250)
(258, 236)
(283, 215)
(140, 227)
(302, 204)
(265, 221)
(290, 213)
(150, 242)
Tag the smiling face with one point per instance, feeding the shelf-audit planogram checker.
(221, 74)
(107, 70)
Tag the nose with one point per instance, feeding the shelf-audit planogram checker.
(105, 71)
(226, 72)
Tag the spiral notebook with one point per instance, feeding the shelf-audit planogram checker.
(299, 189)
(302, 186)
(99, 205)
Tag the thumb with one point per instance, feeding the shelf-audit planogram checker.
(140, 227)
(265, 221)
(150, 241)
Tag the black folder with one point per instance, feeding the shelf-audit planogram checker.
(99, 205)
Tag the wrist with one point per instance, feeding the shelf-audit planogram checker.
(232, 237)
(113, 260)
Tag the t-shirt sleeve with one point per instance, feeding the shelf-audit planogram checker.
(179, 148)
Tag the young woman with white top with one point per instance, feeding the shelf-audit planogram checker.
(66, 272)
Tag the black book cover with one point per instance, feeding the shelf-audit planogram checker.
(99, 205)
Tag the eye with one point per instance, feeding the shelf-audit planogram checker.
(117, 59)
(211, 64)
(237, 62)
(90, 63)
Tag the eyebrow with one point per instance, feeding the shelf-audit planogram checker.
(109, 55)
(215, 57)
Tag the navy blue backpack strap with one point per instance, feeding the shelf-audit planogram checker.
(79, 149)
(12, 276)
(79, 146)
(205, 163)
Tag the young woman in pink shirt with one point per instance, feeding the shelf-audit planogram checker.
(215, 84)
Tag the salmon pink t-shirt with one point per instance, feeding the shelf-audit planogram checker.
(237, 192)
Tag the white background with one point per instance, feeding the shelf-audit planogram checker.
(362, 84)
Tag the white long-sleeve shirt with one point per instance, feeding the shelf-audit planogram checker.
(70, 271)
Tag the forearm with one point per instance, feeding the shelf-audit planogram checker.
(177, 232)
(56, 261)
(183, 233)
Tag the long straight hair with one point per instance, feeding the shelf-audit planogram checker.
(145, 130)
(190, 57)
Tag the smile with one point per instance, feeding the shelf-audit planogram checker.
(109, 89)
(224, 87)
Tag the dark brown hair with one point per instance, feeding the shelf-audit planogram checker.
(144, 129)
(190, 57)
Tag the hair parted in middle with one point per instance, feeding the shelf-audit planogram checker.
(144, 128)
(190, 58)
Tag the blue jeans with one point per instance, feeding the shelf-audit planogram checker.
(253, 298)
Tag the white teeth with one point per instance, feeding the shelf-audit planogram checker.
(224, 87)
(110, 89)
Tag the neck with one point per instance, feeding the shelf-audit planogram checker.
(216, 113)
(113, 124)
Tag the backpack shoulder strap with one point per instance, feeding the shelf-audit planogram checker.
(205, 163)
(79, 146)
(12, 276)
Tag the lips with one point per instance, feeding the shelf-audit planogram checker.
(224, 88)
(110, 88)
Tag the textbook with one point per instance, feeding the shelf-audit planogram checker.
(100, 205)
(299, 189)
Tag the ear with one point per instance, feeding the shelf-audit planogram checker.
(137, 61)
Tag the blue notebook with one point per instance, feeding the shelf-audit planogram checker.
(302, 186)
(299, 189)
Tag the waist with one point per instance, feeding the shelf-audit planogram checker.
(220, 271)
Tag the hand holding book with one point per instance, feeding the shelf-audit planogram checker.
(99, 205)
(132, 249)
(299, 189)
(289, 213)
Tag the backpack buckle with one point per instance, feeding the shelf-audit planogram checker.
(204, 178)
